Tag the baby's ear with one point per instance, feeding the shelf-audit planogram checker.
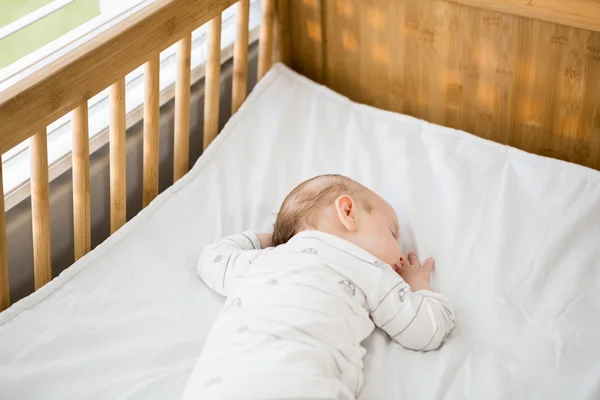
(345, 208)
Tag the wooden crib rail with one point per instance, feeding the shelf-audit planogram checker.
(182, 107)
(40, 209)
(583, 14)
(118, 162)
(265, 43)
(213, 74)
(151, 129)
(81, 181)
(29, 105)
(240, 58)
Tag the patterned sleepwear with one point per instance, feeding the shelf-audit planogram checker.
(296, 315)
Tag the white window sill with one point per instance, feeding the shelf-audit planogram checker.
(17, 163)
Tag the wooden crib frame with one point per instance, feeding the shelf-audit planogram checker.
(524, 73)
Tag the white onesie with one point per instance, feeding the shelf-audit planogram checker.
(296, 315)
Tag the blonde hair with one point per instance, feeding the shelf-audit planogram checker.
(300, 209)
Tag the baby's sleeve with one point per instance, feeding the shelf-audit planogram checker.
(418, 320)
(221, 264)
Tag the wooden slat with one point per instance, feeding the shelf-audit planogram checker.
(284, 33)
(240, 57)
(40, 209)
(81, 181)
(265, 42)
(4, 284)
(182, 107)
(118, 188)
(41, 98)
(151, 129)
(576, 13)
(213, 74)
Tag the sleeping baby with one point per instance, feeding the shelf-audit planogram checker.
(301, 301)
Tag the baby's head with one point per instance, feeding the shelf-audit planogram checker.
(339, 206)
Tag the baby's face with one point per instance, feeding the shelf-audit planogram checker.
(378, 231)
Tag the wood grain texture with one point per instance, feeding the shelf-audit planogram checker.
(212, 82)
(306, 27)
(265, 42)
(182, 108)
(583, 14)
(527, 83)
(40, 209)
(240, 57)
(118, 155)
(283, 33)
(81, 181)
(4, 283)
(32, 103)
(151, 129)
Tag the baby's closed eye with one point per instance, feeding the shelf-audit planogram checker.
(395, 230)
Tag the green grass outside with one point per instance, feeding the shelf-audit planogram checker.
(42, 32)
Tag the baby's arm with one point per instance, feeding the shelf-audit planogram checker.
(418, 320)
(224, 262)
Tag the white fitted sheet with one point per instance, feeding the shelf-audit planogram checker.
(516, 238)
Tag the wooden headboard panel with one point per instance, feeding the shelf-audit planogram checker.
(520, 72)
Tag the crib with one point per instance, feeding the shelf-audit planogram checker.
(524, 74)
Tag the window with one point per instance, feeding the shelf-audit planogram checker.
(27, 25)
(16, 162)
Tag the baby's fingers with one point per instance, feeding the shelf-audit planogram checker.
(428, 264)
(413, 260)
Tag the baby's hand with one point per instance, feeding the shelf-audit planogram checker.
(266, 240)
(418, 277)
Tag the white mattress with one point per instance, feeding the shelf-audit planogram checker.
(515, 236)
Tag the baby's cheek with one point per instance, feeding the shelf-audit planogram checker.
(391, 258)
